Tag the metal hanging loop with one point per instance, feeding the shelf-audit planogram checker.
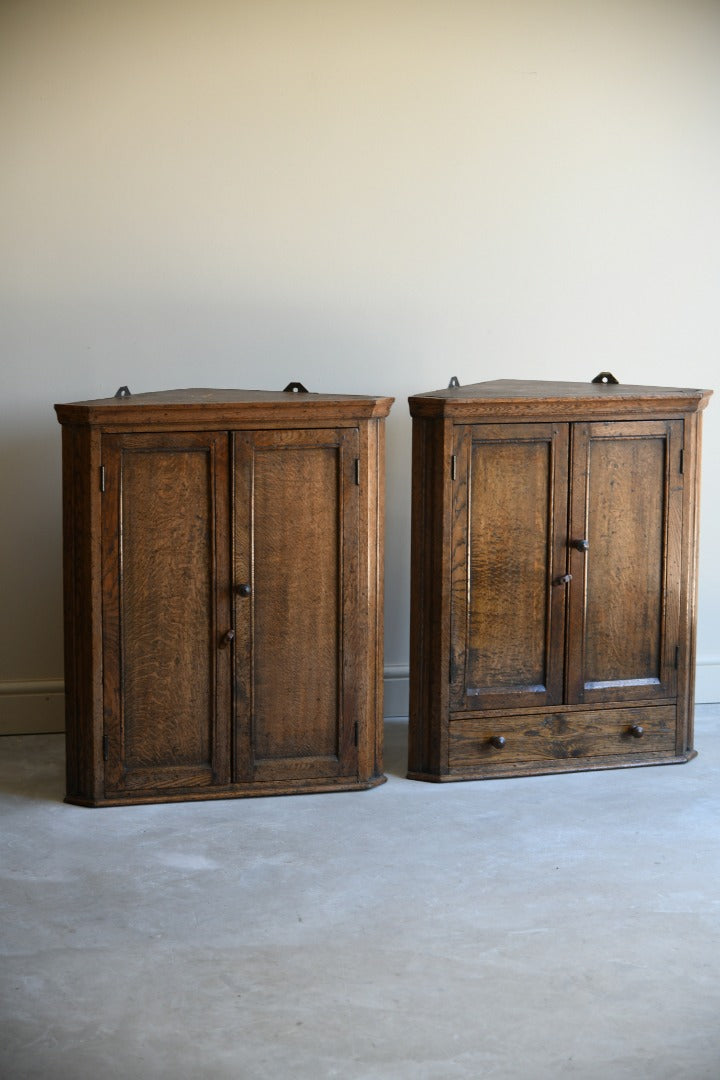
(606, 377)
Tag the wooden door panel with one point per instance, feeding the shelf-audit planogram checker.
(627, 504)
(296, 545)
(165, 537)
(509, 525)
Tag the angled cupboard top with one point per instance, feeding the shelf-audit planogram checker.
(204, 405)
(541, 398)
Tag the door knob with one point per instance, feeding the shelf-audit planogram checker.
(580, 545)
(228, 637)
(498, 741)
(243, 590)
(637, 731)
(564, 580)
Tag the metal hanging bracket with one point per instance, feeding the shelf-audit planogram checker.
(295, 388)
(123, 391)
(454, 381)
(606, 377)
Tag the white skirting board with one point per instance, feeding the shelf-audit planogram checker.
(707, 680)
(35, 706)
(396, 689)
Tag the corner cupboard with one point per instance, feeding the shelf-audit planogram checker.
(554, 549)
(223, 594)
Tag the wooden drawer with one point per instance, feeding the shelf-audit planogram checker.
(562, 740)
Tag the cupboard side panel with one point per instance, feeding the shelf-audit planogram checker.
(432, 450)
(417, 723)
(692, 452)
(369, 630)
(82, 608)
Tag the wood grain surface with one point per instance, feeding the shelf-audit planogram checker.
(160, 571)
(554, 537)
(300, 500)
(509, 516)
(223, 594)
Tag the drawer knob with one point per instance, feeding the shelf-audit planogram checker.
(580, 545)
(637, 731)
(564, 580)
(243, 590)
(498, 741)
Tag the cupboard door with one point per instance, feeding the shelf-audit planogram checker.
(298, 604)
(509, 523)
(626, 502)
(165, 564)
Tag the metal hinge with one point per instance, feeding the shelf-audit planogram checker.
(102, 477)
(453, 467)
(682, 462)
(357, 470)
(357, 734)
(677, 657)
(106, 747)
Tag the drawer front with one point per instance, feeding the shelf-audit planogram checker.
(538, 738)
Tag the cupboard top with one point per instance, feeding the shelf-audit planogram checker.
(545, 399)
(224, 408)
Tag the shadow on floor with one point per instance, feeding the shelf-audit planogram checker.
(33, 767)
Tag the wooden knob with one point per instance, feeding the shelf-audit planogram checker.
(637, 731)
(498, 741)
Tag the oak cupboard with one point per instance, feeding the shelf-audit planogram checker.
(554, 543)
(223, 594)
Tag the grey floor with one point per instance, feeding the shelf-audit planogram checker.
(535, 928)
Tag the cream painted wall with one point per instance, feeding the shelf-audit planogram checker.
(369, 196)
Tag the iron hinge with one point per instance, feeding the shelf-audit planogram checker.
(682, 462)
(106, 747)
(677, 657)
(357, 734)
(357, 470)
(453, 467)
(102, 478)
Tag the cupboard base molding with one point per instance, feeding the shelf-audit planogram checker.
(586, 765)
(246, 791)
(580, 740)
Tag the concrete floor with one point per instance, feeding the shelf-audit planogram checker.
(534, 928)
